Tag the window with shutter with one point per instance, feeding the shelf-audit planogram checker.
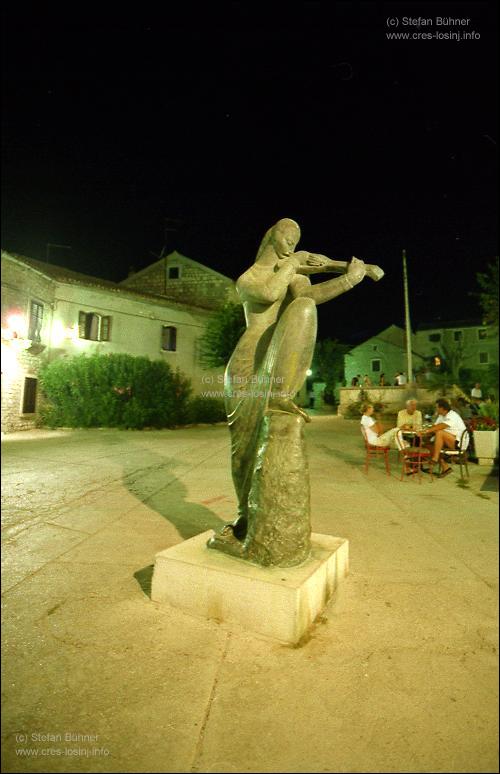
(82, 325)
(36, 320)
(94, 327)
(105, 334)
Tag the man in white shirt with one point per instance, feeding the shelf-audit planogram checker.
(447, 429)
(375, 434)
(401, 379)
(476, 393)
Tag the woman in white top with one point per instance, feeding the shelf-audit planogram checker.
(374, 432)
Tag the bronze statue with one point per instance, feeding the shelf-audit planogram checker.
(266, 370)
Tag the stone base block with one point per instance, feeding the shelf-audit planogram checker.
(270, 601)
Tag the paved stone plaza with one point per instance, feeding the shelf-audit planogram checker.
(400, 673)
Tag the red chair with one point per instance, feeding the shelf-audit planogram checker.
(412, 462)
(375, 451)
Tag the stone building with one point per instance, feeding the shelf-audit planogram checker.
(459, 344)
(384, 353)
(49, 311)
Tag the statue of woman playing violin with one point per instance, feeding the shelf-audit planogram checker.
(266, 370)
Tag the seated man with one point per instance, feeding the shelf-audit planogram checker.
(447, 430)
(476, 393)
(409, 418)
(375, 434)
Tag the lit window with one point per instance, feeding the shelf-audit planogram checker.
(29, 395)
(35, 324)
(482, 334)
(375, 366)
(168, 338)
(484, 358)
(94, 327)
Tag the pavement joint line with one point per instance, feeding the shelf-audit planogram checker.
(201, 735)
(69, 529)
(49, 561)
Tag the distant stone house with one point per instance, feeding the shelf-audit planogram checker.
(49, 311)
(467, 344)
(384, 353)
(459, 344)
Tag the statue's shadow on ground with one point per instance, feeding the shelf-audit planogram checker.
(153, 481)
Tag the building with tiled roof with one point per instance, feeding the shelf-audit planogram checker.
(50, 311)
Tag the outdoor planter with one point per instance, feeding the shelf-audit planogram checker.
(486, 446)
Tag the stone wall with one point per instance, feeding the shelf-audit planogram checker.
(16, 366)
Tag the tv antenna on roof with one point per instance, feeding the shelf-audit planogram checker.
(60, 247)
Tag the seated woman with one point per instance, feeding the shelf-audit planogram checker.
(375, 433)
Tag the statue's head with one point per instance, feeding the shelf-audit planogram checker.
(285, 235)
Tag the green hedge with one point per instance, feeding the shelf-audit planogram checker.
(113, 391)
(206, 410)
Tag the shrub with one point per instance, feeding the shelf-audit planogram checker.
(487, 418)
(355, 410)
(206, 410)
(113, 391)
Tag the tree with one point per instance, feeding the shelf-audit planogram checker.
(455, 355)
(488, 297)
(328, 364)
(221, 336)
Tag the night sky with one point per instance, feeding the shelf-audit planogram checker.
(217, 122)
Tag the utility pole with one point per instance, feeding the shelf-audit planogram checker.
(409, 364)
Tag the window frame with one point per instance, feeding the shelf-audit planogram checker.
(173, 335)
(85, 322)
(179, 274)
(22, 411)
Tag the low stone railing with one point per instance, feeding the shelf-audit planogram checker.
(393, 398)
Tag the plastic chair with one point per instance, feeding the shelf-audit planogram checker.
(460, 454)
(375, 451)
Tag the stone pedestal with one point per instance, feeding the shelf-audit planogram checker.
(281, 603)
